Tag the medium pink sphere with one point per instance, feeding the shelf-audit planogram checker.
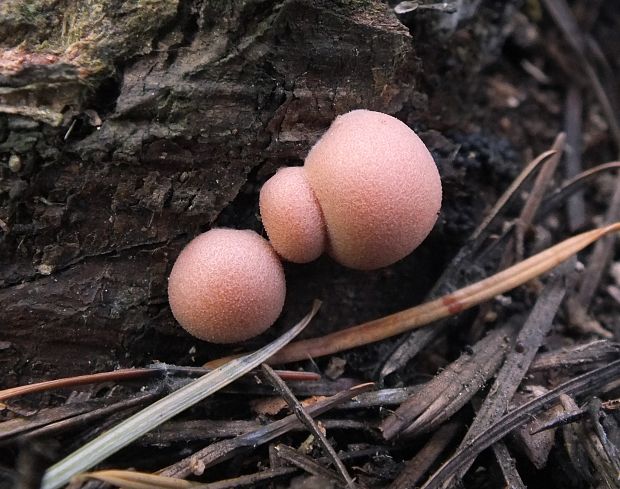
(378, 188)
(226, 286)
(292, 216)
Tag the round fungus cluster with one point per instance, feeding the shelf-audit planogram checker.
(368, 194)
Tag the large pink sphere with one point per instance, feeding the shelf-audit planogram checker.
(378, 188)
(227, 286)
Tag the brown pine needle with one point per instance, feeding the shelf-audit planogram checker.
(114, 376)
(445, 306)
(569, 187)
(128, 479)
(511, 190)
(118, 376)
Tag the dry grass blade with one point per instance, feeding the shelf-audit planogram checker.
(123, 408)
(573, 436)
(415, 342)
(124, 433)
(201, 430)
(196, 430)
(588, 174)
(288, 375)
(600, 449)
(128, 479)
(381, 398)
(445, 306)
(18, 426)
(252, 480)
(573, 113)
(563, 419)
(600, 257)
(69, 416)
(565, 19)
(514, 249)
(508, 465)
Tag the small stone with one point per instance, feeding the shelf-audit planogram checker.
(335, 368)
(45, 269)
(15, 163)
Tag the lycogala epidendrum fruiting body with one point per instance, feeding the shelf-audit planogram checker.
(226, 286)
(369, 193)
(292, 215)
(377, 188)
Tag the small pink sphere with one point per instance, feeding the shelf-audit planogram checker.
(378, 188)
(226, 286)
(292, 216)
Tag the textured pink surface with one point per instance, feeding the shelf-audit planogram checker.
(226, 286)
(292, 217)
(378, 188)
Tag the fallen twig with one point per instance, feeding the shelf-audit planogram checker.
(307, 464)
(308, 422)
